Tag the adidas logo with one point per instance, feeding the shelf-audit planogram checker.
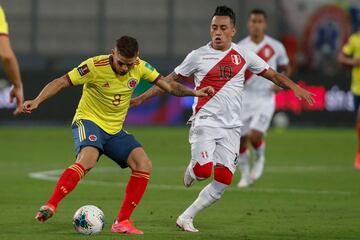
(106, 85)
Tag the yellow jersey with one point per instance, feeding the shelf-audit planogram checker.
(106, 95)
(4, 29)
(352, 48)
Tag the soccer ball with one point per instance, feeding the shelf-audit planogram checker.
(88, 220)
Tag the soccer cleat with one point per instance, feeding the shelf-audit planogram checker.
(186, 224)
(45, 212)
(258, 168)
(125, 226)
(244, 182)
(357, 161)
(189, 178)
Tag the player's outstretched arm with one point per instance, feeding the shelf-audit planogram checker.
(348, 61)
(174, 88)
(12, 71)
(284, 82)
(48, 91)
(170, 84)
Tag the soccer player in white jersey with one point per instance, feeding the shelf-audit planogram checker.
(215, 123)
(259, 96)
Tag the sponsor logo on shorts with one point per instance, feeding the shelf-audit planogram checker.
(205, 155)
(92, 137)
(132, 83)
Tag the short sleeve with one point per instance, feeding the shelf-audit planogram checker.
(348, 48)
(149, 73)
(4, 29)
(255, 63)
(82, 74)
(188, 66)
(282, 59)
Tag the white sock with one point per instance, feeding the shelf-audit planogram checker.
(209, 195)
(260, 151)
(243, 164)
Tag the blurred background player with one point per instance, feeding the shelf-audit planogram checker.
(350, 56)
(215, 124)
(259, 96)
(10, 63)
(97, 127)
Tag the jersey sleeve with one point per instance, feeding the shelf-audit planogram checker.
(82, 74)
(282, 59)
(188, 66)
(149, 73)
(4, 29)
(349, 47)
(256, 64)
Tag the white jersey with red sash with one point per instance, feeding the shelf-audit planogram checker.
(271, 51)
(225, 71)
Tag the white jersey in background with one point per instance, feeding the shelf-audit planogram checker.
(259, 96)
(271, 51)
(225, 71)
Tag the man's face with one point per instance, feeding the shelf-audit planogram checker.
(222, 32)
(121, 64)
(257, 25)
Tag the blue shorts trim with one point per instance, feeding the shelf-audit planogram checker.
(117, 147)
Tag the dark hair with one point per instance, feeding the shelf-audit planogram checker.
(127, 46)
(225, 11)
(258, 11)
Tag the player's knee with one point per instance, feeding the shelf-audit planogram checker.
(88, 157)
(223, 175)
(203, 171)
(256, 137)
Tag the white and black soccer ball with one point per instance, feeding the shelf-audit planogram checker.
(88, 220)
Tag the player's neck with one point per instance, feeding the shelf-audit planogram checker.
(224, 49)
(257, 39)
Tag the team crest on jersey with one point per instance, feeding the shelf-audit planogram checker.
(83, 70)
(236, 59)
(92, 137)
(132, 83)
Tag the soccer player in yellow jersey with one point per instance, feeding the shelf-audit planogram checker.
(10, 63)
(350, 56)
(108, 82)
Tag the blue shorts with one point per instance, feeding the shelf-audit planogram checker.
(117, 147)
(356, 102)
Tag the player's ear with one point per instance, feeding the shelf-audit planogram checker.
(113, 51)
(233, 31)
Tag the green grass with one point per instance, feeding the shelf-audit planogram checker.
(310, 189)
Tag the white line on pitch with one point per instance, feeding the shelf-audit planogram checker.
(53, 175)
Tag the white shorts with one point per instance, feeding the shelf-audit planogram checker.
(216, 145)
(257, 115)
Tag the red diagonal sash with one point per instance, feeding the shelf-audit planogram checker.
(220, 74)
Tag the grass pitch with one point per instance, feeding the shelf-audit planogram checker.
(309, 190)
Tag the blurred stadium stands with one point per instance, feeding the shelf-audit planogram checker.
(50, 37)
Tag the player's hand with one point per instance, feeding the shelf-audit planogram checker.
(205, 91)
(306, 95)
(30, 105)
(136, 101)
(17, 94)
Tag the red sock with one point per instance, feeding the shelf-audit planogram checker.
(242, 150)
(358, 133)
(257, 144)
(134, 192)
(67, 182)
